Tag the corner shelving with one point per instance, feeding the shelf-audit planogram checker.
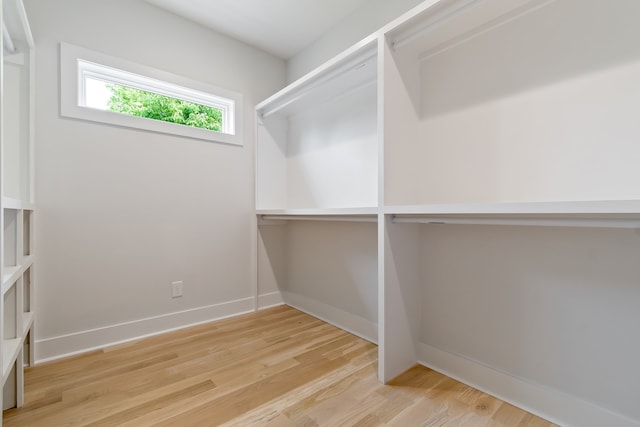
(511, 122)
(17, 206)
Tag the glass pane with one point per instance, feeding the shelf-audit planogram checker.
(140, 103)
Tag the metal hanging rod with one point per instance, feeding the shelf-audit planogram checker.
(536, 222)
(409, 36)
(340, 71)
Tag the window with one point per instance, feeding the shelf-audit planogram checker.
(100, 88)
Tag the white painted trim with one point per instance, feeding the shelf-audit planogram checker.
(70, 91)
(351, 323)
(551, 404)
(270, 300)
(80, 342)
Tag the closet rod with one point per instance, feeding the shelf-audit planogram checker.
(409, 36)
(536, 222)
(319, 82)
(341, 218)
(8, 41)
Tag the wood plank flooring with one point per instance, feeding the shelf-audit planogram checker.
(278, 367)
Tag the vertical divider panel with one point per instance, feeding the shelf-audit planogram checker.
(401, 293)
(399, 245)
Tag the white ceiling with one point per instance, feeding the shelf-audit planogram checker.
(281, 27)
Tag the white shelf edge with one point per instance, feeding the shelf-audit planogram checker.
(27, 322)
(10, 276)
(319, 212)
(17, 204)
(596, 207)
(10, 351)
(11, 203)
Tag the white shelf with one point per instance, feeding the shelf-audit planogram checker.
(11, 203)
(10, 276)
(17, 143)
(27, 322)
(10, 351)
(316, 212)
(596, 207)
(17, 204)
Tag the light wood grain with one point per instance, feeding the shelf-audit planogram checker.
(278, 367)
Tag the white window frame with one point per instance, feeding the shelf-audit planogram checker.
(77, 64)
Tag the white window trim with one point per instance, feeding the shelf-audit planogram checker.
(77, 62)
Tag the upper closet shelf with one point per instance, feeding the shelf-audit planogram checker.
(349, 71)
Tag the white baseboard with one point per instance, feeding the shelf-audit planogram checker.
(553, 405)
(270, 300)
(80, 342)
(351, 323)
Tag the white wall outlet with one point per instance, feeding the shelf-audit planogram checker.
(176, 289)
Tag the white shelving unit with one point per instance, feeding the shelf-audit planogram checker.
(318, 138)
(17, 213)
(500, 193)
(317, 180)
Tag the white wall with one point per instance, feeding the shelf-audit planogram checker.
(370, 17)
(327, 269)
(123, 213)
(555, 307)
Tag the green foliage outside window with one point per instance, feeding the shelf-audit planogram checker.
(140, 103)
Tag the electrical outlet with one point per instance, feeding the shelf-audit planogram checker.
(176, 289)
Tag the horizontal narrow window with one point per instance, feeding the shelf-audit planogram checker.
(105, 89)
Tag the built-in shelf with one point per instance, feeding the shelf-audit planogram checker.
(10, 276)
(305, 161)
(10, 350)
(13, 273)
(596, 207)
(438, 118)
(11, 203)
(17, 141)
(27, 322)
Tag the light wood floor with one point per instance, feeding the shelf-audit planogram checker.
(279, 367)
